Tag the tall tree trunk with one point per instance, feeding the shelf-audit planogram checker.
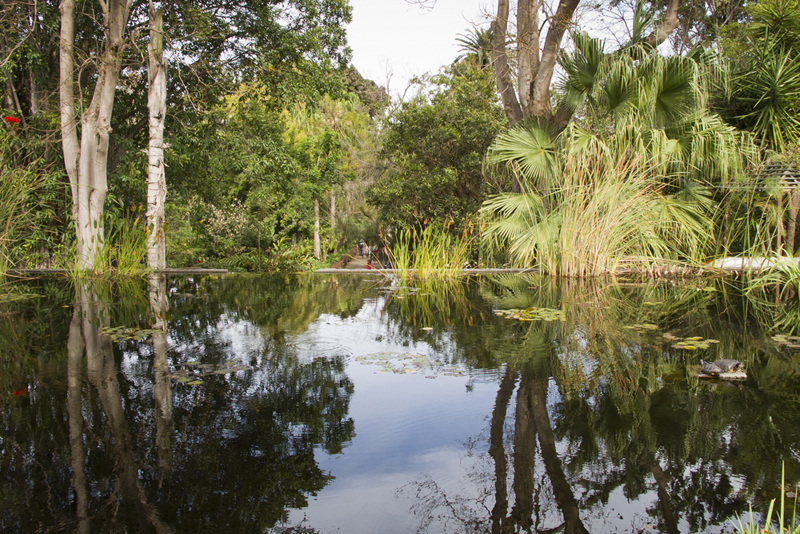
(502, 70)
(156, 179)
(333, 221)
(535, 66)
(791, 228)
(317, 251)
(86, 164)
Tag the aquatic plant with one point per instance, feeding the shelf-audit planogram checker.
(768, 527)
(604, 216)
(123, 250)
(17, 187)
(429, 254)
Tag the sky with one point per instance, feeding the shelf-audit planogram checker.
(395, 40)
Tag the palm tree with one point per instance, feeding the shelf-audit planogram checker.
(628, 179)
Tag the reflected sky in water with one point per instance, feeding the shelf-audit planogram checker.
(360, 404)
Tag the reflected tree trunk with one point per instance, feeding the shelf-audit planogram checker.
(664, 502)
(162, 383)
(524, 456)
(103, 374)
(497, 450)
(561, 489)
(75, 348)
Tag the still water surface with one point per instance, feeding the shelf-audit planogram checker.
(358, 404)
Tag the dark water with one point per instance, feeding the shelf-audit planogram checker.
(356, 404)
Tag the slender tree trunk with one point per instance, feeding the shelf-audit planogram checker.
(333, 221)
(791, 229)
(157, 108)
(502, 70)
(535, 66)
(527, 50)
(317, 251)
(86, 164)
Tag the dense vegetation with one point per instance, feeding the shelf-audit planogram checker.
(279, 155)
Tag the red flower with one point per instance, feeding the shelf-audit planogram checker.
(20, 392)
(12, 120)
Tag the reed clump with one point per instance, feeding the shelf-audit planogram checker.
(429, 254)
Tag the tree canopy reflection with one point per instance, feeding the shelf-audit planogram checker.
(147, 454)
(597, 404)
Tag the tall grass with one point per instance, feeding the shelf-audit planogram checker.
(124, 247)
(606, 215)
(430, 254)
(17, 187)
(768, 527)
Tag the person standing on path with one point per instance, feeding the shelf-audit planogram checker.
(361, 248)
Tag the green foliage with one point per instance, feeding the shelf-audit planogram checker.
(763, 95)
(628, 181)
(434, 145)
(787, 522)
(603, 216)
(124, 249)
(430, 254)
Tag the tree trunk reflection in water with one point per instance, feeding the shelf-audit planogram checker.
(552, 463)
(531, 419)
(497, 450)
(163, 386)
(75, 348)
(103, 374)
(662, 480)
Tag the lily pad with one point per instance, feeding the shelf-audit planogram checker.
(532, 314)
(125, 333)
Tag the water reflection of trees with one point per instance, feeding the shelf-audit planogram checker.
(132, 451)
(603, 404)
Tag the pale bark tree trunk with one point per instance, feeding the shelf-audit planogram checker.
(156, 179)
(317, 251)
(86, 164)
(333, 221)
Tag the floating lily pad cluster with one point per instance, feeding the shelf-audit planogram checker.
(789, 342)
(193, 372)
(643, 327)
(408, 364)
(126, 333)
(690, 343)
(532, 314)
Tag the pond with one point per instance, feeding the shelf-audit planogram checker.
(361, 404)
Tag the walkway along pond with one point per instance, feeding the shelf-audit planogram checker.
(356, 403)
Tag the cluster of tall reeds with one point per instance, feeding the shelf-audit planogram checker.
(430, 254)
(17, 186)
(606, 214)
(124, 247)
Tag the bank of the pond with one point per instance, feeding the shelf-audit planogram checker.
(182, 271)
(727, 265)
